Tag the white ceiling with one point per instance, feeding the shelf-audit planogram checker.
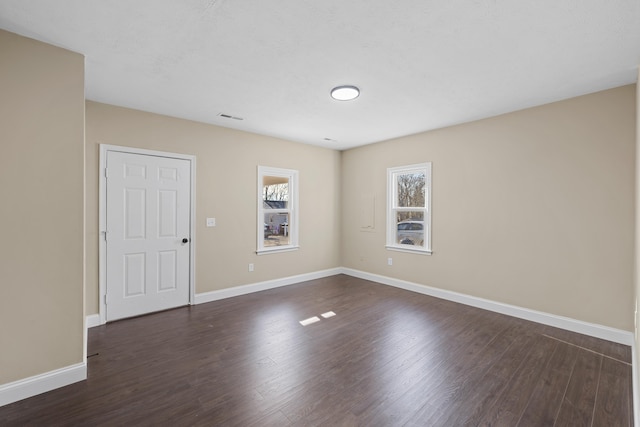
(420, 64)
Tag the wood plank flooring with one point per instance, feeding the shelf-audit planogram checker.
(388, 357)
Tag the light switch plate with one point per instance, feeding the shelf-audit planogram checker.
(211, 222)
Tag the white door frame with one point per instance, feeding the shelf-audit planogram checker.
(102, 219)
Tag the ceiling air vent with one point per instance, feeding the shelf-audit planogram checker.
(228, 116)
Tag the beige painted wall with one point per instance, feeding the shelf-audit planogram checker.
(226, 189)
(533, 208)
(41, 188)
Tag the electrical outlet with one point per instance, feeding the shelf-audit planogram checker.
(250, 267)
(389, 261)
(211, 222)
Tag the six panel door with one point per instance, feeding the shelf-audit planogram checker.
(148, 223)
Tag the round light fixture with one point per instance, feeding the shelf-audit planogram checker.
(345, 93)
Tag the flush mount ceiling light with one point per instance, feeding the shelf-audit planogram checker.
(345, 93)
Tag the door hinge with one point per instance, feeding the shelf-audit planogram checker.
(105, 235)
(105, 299)
(106, 172)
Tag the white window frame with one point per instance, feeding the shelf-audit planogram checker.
(291, 210)
(393, 208)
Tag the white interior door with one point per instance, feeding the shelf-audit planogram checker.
(147, 233)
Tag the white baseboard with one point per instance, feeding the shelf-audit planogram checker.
(93, 320)
(591, 329)
(262, 286)
(21, 389)
(634, 384)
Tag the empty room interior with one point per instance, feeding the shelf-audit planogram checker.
(337, 213)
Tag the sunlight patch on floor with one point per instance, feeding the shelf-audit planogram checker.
(315, 319)
(310, 320)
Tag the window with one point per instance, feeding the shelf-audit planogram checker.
(409, 208)
(277, 209)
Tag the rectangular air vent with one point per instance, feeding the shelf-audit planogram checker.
(228, 116)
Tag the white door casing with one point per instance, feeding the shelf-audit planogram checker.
(147, 235)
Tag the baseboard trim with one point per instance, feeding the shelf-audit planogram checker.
(262, 286)
(93, 320)
(32, 386)
(634, 384)
(38, 384)
(591, 329)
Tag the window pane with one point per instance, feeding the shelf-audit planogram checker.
(277, 210)
(408, 222)
(276, 229)
(275, 192)
(411, 190)
(410, 228)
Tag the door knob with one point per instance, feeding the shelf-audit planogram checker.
(185, 240)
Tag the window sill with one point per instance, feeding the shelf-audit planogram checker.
(413, 251)
(277, 250)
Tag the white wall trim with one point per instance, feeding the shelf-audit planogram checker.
(263, 286)
(634, 384)
(93, 320)
(591, 329)
(41, 383)
(102, 221)
(32, 386)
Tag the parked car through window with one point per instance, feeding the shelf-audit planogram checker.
(411, 233)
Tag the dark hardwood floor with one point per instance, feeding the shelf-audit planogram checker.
(388, 357)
